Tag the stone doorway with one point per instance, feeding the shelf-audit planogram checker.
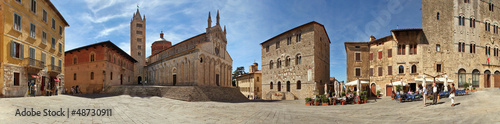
(374, 89)
(288, 86)
(174, 78)
(487, 79)
(217, 79)
(279, 85)
(139, 80)
(121, 79)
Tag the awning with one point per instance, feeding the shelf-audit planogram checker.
(397, 83)
(355, 83)
(35, 76)
(438, 80)
(56, 80)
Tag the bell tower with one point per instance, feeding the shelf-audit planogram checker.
(138, 45)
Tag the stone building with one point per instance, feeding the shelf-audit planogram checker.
(296, 63)
(201, 60)
(97, 66)
(138, 45)
(250, 84)
(32, 45)
(458, 40)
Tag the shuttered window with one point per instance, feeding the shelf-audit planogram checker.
(380, 71)
(389, 53)
(389, 70)
(16, 50)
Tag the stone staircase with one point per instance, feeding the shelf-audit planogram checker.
(185, 93)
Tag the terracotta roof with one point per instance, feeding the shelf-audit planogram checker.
(313, 22)
(202, 34)
(107, 43)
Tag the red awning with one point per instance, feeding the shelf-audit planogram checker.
(35, 76)
(56, 80)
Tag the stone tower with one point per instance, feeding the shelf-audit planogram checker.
(138, 44)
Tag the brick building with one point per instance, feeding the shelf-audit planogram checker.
(97, 66)
(458, 40)
(31, 45)
(295, 63)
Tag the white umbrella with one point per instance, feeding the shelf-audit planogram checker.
(397, 83)
(355, 83)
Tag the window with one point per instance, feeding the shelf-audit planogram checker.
(139, 53)
(257, 79)
(475, 78)
(16, 79)
(474, 48)
(139, 40)
(271, 85)
(17, 22)
(74, 76)
(371, 56)
(470, 22)
(299, 37)
(358, 57)
(462, 78)
(380, 71)
(60, 30)
(487, 50)
(438, 67)
(53, 23)
(139, 47)
(52, 62)
(389, 70)
(139, 32)
(60, 48)
(278, 63)
(16, 50)
(401, 49)
(459, 20)
(413, 69)
(389, 53)
(44, 37)
(271, 64)
(413, 49)
(357, 47)
(44, 16)
(371, 72)
(60, 63)
(358, 72)
(139, 25)
(43, 58)
(33, 6)
(74, 60)
(437, 16)
(32, 53)
(438, 48)
(32, 30)
(277, 45)
(287, 61)
(491, 6)
(288, 40)
(379, 54)
(474, 23)
(111, 76)
(461, 47)
(91, 75)
(53, 43)
(466, 1)
(92, 57)
(19, 1)
(267, 48)
(463, 21)
(299, 85)
(401, 69)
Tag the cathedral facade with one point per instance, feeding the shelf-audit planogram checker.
(201, 60)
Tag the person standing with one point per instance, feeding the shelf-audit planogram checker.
(424, 94)
(434, 93)
(452, 94)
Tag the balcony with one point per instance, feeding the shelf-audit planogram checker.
(54, 68)
(33, 63)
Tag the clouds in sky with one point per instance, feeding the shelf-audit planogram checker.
(248, 22)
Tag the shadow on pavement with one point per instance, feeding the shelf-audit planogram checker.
(249, 101)
(93, 96)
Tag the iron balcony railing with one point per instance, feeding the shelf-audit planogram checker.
(35, 63)
(55, 68)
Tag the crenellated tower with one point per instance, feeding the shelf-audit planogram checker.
(138, 44)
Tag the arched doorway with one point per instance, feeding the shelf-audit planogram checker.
(487, 78)
(288, 86)
(497, 79)
(121, 79)
(279, 85)
(374, 89)
(139, 80)
(174, 78)
(462, 77)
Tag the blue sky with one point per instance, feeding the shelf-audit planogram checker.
(249, 22)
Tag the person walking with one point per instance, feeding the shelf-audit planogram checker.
(424, 93)
(452, 94)
(434, 93)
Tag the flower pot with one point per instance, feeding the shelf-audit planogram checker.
(400, 99)
(324, 104)
(308, 103)
(343, 103)
(316, 103)
(365, 101)
(333, 103)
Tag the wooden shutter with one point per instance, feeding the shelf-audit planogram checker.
(389, 53)
(379, 54)
(389, 70)
(21, 52)
(371, 71)
(12, 47)
(380, 71)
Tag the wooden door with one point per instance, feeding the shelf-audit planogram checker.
(388, 91)
(374, 89)
(497, 80)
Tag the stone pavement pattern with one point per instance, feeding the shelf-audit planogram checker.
(480, 107)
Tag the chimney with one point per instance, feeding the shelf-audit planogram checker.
(372, 38)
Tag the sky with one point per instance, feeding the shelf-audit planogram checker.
(248, 22)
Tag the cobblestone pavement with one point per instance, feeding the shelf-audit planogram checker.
(480, 107)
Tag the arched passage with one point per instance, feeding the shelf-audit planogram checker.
(487, 78)
(497, 79)
(461, 77)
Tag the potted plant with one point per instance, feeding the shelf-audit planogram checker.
(308, 101)
(466, 85)
(316, 101)
(365, 96)
(324, 100)
(474, 89)
(378, 93)
(399, 88)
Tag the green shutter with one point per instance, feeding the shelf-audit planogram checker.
(12, 47)
(21, 51)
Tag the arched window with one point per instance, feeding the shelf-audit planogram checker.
(298, 59)
(278, 63)
(257, 79)
(401, 69)
(461, 77)
(287, 61)
(271, 64)
(92, 57)
(91, 75)
(74, 76)
(74, 60)
(279, 85)
(271, 86)
(299, 85)
(413, 69)
(475, 78)
(288, 86)
(111, 76)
